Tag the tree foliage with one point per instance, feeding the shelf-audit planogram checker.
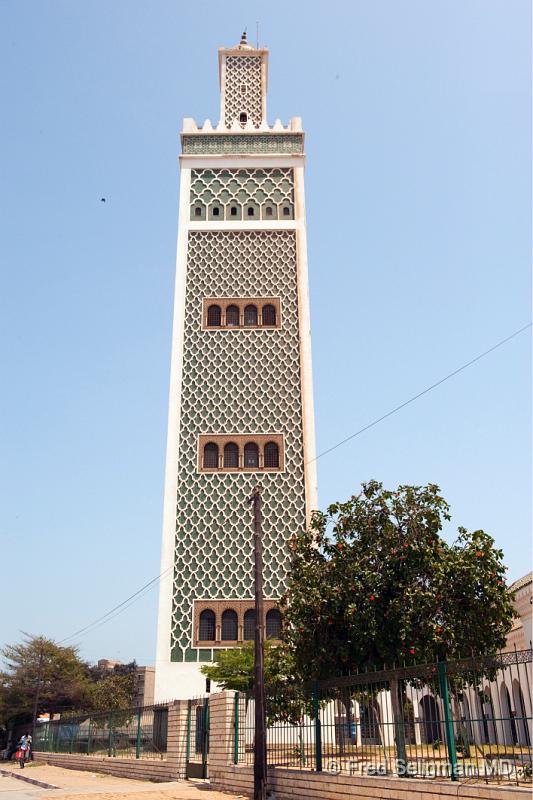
(373, 583)
(234, 668)
(37, 666)
(112, 689)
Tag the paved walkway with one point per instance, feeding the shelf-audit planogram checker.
(80, 785)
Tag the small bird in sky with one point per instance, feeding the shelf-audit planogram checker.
(102, 199)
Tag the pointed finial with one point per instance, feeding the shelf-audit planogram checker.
(244, 43)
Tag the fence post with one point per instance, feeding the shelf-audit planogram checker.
(448, 720)
(138, 740)
(236, 729)
(89, 739)
(110, 742)
(318, 729)
(205, 742)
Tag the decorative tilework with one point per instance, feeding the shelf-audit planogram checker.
(243, 90)
(242, 143)
(249, 381)
(216, 193)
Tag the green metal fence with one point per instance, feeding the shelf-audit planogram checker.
(197, 741)
(464, 720)
(132, 733)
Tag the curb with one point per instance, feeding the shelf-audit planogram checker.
(12, 774)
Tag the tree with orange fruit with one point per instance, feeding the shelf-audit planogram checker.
(374, 583)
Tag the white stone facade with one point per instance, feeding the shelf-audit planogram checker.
(241, 234)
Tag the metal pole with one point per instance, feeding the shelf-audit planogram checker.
(448, 719)
(318, 728)
(260, 766)
(236, 729)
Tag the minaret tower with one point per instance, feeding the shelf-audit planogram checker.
(241, 396)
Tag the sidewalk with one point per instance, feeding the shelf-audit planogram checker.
(85, 785)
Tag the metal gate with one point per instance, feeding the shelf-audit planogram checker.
(197, 749)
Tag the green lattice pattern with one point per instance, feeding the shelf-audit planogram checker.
(237, 143)
(236, 381)
(269, 192)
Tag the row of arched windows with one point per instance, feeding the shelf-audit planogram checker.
(249, 211)
(229, 628)
(234, 319)
(230, 458)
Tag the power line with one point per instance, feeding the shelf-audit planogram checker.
(129, 601)
(104, 616)
(420, 394)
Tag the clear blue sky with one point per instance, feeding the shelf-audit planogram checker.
(418, 121)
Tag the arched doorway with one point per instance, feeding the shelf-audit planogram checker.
(510, 734)
(521, 720)
(369, 721)
(429, 711)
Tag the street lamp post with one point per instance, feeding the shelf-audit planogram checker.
(260, 766)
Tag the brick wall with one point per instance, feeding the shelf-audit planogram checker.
(288, 784)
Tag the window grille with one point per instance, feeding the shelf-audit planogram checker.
(269, 315)
(211, 455)
(273, 624)
(271, 455)
(250, 315)
(232, 315)
(229, 626)
(249, 624)
(231, 455)
(213, 315)
(251, 456)
(207, 626)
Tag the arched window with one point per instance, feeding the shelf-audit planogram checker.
(231, 455)
(229, 626)
(243, 119)
(269, 211)
(249, 624)
(273, 624)
(213, 315)
(251, 456)
(232, 315)
(271, 459)
(197, 212)
(250, 211)
(207, 626)
(211, 456)
(286, 212)
(269, 315)
(216, 211)
(250, 315)
(233, 211)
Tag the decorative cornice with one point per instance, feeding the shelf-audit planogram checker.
(240, 144)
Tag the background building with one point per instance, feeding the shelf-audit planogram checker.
(520, 635)
(241, 404)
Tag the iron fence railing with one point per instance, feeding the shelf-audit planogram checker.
(465, 720)
(131, 733)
